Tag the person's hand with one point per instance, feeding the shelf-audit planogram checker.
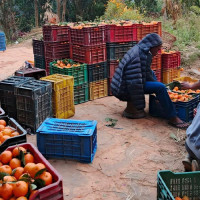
(185, 86)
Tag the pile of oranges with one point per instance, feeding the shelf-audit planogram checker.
(6, 132)
(189, 91)
(20, 176)
(64, 64)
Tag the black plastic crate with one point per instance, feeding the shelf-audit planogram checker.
(33, 103)
(21, 138)
(36, 73)
(81, 93)
(7, 97)
(38, 47)
(97, 71)
(2, 112)
(117, 51)
(39, 62)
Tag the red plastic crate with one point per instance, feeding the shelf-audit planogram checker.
(53, 191)
(47, 61)
(88, 54)
(112, 65)
(156, 62)
(55, 33)
(116, 33)
(88, 35)
(57, 50)
(172, 60)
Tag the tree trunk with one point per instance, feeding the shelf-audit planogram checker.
(64, 10)
(58, 9)
(36, 13)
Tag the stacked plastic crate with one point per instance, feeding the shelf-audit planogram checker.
(56, 43)
(62, 95)
(171, 62)
(7, 96)
(38, 51)
(33, 103)
(88, 45)
(80, 74)
(2, 41)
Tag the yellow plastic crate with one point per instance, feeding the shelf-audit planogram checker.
(98, 89)
(169, 75)
(62, 95)
(186, 79)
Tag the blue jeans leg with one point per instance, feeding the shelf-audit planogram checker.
(159, 89)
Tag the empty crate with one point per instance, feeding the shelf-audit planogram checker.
(64, 138)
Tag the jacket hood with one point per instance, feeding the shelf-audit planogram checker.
(149, 41)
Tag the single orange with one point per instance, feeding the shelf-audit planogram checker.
(29, 158)
(2, 122)
(7, 131)
(5, 137)
(33, 193)
(14, 163)
(1, 127)
(14, 134)
(46, 177)
(12, 198)
(37, 168)
(16, 150)
(22, 176)
(29, 169)
(6, 191)
(1, 164)
(6, 157)
(6, 168)
(9, 178)
(18, 172)
(20, 189)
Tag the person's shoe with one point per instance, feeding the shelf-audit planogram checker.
(187, 164)
(136, 115)
(195, 166)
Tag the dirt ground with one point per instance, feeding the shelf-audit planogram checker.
(128, 156)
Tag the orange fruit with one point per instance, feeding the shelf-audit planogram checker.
(6, 157)
(18, 172)
(14, 163)
(6, 168)
(178, 198)
(46, 177)
(29, 168)
(15, 151)
(2, 122)
(5, 137)
(20, 189)
(12, 198)
(1, 127)
(33, 193)
(6, 191)
(21, 198)
(29, 158)
(9, 178)
(22, 176)
(3, 199)
(37, 168)
(14, 134)
(7, 131)
(1, 164)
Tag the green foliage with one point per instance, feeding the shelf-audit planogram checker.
(147, 6)
(117, 10)
(195, 9)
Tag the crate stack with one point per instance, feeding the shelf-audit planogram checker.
(80, 74)
(88, 45)
(56, 43)
(7, 97)
(38, 51)
(33, 103)
(2, 41)
(171, 62)
(62, 95)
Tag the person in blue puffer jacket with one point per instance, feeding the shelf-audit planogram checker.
(134, 78)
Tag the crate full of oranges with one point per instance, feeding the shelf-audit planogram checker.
(26, 174)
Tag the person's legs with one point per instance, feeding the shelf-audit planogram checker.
(161, 93)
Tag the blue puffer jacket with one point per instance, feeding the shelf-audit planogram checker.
(134, 70)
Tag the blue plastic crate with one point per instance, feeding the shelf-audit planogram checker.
(2, 41)
(64, 138)
(184, 110)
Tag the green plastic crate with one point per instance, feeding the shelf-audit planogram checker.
(80, 73)
(81, 93)
(171, 185)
